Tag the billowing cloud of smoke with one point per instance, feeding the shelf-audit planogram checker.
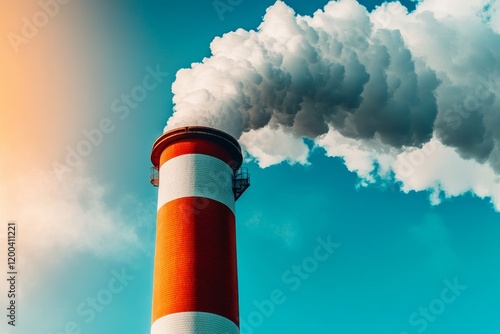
(380, 89)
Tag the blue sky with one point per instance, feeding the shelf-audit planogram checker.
(396, 253)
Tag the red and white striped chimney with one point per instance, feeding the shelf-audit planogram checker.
(195, 286)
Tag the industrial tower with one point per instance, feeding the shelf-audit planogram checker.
(195, 285)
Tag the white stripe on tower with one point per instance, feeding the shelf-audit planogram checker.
(194, 322)
(197, 175)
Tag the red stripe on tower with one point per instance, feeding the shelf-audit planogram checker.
(195, 287)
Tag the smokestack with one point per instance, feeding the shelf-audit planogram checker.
(195, 286)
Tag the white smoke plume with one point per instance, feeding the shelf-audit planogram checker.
(392, 92)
